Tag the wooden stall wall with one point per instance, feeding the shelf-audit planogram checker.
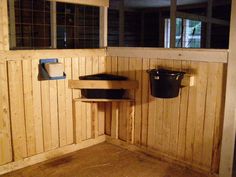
(38, 116)
(186, 129)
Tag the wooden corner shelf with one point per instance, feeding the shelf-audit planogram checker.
(102, 84)
(103, 100)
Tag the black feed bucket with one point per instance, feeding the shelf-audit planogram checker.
(165, 83)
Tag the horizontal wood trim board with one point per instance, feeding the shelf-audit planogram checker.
(50, 155)
(102, 100)
(53, 53)
(205, 55)
(95, 84)
(100, 3)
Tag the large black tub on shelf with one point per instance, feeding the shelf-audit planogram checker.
(103, 93)
(165, 83)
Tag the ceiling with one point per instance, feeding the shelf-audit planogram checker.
(157, 3)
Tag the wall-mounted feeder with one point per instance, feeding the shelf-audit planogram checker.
(51, 69)
(166, 83)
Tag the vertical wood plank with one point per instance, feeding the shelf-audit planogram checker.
(183, 114)
(62, 111)
(5, 131)
(94, 117)
(17, 109)
(54, 113)
(47, 132)
(219, 117)
(168, 115)
(38, 119)
(115, 120)
(175, 116)
(210, 115)
(101, 106)
(145, 99)
(82, 70)
(68, 95)
(138, 102)
(152, 113)
(108, 105)
(28, 107)
(200, 105)
(89, 70)
(123, 65)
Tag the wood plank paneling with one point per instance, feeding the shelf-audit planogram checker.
(5, 134)
(28, 106)
(17, 109)
(186, 128)
(37, 106)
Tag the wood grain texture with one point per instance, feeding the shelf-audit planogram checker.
(5, 132)
(38, 115)
(17, 109)
(187, 128)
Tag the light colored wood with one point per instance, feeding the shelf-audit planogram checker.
(207, 55)
(54, 113)
(101, 84)
(101, 3)
(229, 123)
(69, 98)
(6, 155)
(77, 116)
(49, 53)
(103, 26)
(28, 105)
(94, 120)
(101, 63)
(62, 117)
(46, 114)
(145, 99)
(188, 80)
(82, 72)
(114, 120)
(4, 26)
(176, 127)
(49, 155)
(138, 102)
(88, 71)
(102, 100)
(38, 119)
(17, 110)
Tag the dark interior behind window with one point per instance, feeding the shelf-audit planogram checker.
(77, 26)
(32, 24)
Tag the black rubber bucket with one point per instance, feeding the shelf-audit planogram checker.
(165, 83)
(103, 93)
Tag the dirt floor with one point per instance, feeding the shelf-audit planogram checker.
(104, 160)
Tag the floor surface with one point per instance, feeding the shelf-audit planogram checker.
(104, 160)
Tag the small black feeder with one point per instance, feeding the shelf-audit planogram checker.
(165, 83)
(103, 93)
